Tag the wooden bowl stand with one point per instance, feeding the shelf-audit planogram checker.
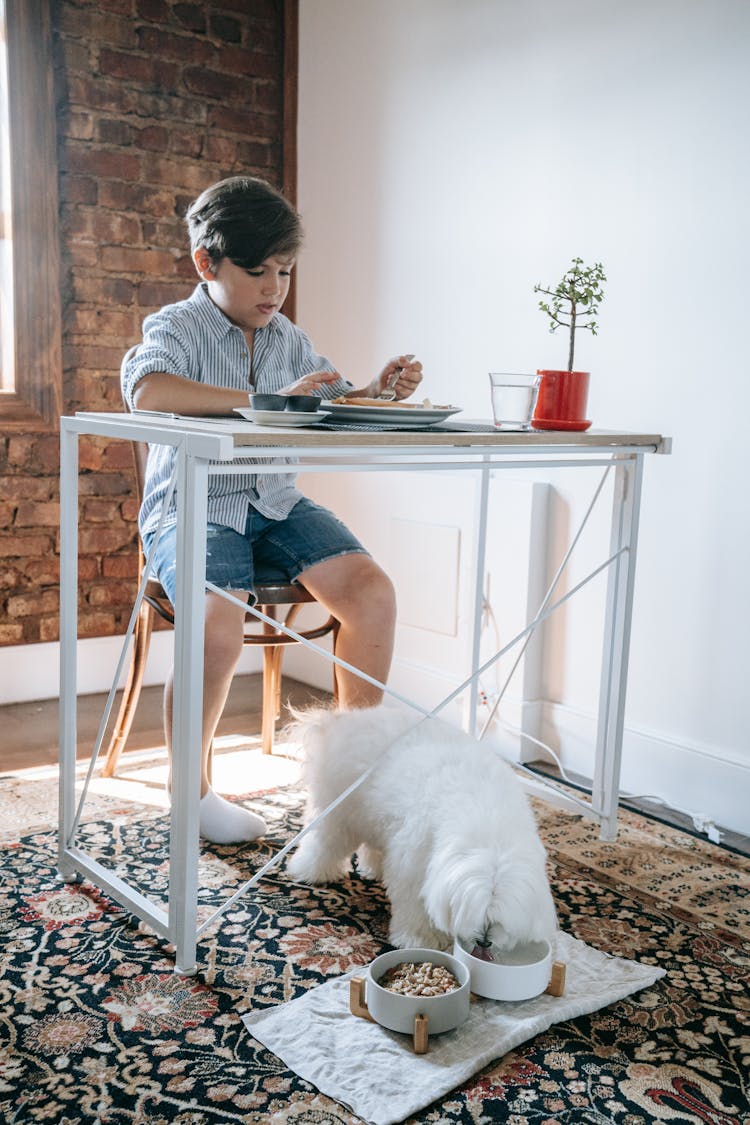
(421, 1035)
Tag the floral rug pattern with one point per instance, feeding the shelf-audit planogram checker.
(96, 1029)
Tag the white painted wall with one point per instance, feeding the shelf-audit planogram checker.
(455, 152)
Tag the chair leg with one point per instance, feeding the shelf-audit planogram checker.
(132, 690)
(272, 655)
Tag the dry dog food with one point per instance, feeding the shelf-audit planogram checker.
(418, 979)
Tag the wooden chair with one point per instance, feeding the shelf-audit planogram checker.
(271, 596)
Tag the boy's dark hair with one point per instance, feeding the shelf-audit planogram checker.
(245, 219)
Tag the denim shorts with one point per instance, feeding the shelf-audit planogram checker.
(269, 551)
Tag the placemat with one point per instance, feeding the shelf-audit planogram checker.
(374, 1072)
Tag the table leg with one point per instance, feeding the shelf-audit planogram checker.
(616, 644)
(68, 644)
(192, 487)
(471, 706)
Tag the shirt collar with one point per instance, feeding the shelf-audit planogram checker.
(218, 323)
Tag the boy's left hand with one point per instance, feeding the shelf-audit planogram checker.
(408, 380)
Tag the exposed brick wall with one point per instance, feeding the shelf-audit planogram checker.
(156, 100)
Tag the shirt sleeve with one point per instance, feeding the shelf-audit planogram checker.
(164, 348)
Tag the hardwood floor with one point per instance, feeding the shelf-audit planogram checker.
(30, 735)
(30, 730)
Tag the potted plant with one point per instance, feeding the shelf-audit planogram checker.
(572, 304)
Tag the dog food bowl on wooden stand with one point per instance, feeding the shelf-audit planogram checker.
(514, 974)
(420, 1016)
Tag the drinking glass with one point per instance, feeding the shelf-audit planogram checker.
(513, 399)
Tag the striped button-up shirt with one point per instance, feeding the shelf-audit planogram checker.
(194, 339)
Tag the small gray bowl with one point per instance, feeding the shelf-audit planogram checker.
(397, 1012)
(268, 402)
(303, 402)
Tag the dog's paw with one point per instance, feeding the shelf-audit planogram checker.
(370, 862)
(306, 868)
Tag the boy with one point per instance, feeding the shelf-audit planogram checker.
(203, 356)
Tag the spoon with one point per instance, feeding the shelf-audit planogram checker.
(388, 393)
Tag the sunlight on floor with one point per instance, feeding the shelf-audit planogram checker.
(240, 767)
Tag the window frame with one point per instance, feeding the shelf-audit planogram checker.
(35, 399)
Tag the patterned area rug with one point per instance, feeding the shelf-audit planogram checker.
(95, 1029)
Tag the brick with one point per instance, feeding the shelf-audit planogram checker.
(133, 260)
(102, 226)
(250, 64)
(136, 197)
(113, 132)
(98, 93)
(101, 162)
(99, 510)
(190, 16)
(154, 73)
(267, 96)
(94, 26)
(246, 122)
(44, 572)
(187, 144)
(221, 150)
(119, 455)
(49, 629)
(32, 606)
(113, 595)
(19, 450)
(177, 174)
(154, 138)
(186, 48)
(83, 254)
(11, 634)
(36, 514)
(77, 189)
(24, 546)
(96, 624)
(213, 84)
(156, 10)
(259, 154)
(154, 294)
(129, 510)
(79, 125)
(103, 540)
(28, 488)
(120, 566)
(108, 484)
(226, 28)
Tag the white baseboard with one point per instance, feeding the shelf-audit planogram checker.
(29, 672)
(692, 778)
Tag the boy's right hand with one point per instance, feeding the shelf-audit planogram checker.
(310, 384)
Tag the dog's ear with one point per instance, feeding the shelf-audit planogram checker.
(457, 890)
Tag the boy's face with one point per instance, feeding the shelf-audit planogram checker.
(248, 297)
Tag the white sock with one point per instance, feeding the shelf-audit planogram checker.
(221, 822)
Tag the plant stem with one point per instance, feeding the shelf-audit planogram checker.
(572, 334)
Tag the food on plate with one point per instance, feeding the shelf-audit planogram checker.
(421, 978)
(386, 404)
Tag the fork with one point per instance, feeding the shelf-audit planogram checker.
(388, 393)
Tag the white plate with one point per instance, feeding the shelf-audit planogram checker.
(282, 417)
(394, 417)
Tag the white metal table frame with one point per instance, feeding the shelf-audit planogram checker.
(207, 447)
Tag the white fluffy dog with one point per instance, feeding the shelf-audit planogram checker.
(442, 820)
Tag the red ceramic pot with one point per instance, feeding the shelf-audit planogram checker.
(561, 403)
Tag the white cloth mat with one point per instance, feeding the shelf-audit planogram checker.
(375, 1073)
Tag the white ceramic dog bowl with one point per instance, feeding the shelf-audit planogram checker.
(397, 1012)
(514, 974)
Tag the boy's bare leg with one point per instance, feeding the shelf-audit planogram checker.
(361, 596)
(220, 821)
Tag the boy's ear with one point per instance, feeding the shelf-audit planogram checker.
(203, 263)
